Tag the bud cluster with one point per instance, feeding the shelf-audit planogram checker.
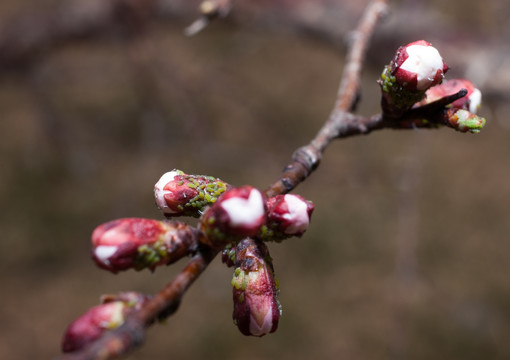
(235, 219)
(107, 316)
(415, 77)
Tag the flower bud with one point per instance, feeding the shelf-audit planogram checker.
(415, 68)
(288, 215)
(418, 66)
(179, 194)
(471, 102)
(238, 213)
(256, 307)
(107, 316)
(140, 243)
(464, 121)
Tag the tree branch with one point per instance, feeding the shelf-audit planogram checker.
(340, 123)
(132, 333)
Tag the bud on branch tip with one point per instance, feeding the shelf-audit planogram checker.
(107, 316)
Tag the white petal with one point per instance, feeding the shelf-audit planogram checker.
(265, 327)
(159, 193)
(424, 61)
(103, 253)
(475, 101)
(244, 211)
(298, 214)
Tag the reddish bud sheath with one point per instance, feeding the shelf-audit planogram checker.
(471, 102)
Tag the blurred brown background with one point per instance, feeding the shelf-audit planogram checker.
(407, 255)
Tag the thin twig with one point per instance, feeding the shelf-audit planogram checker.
(132, 333)
(340, 123)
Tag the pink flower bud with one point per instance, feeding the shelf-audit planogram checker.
(471, 102)
(140, 243)
(288, 215)
(91, 325)
(238, 213)
(180, 194)
(418, 66)
(256, 307)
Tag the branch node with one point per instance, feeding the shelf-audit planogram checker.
(308, 156)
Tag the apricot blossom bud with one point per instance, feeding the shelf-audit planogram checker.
(471, 102)
(238, 213)
(140, 243)
(415, 68)
(257, 310)
(418, 66)
(179, 194)
(107, 316)
(287, 215)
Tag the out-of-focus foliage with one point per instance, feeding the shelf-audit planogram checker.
(406, 256)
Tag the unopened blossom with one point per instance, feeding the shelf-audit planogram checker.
(107, 316)
(471, 102)
(135, 243)
(238, 213)
(415, 68)
(257, 310)
(418, 66)
(287, 215)
(178, 194)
